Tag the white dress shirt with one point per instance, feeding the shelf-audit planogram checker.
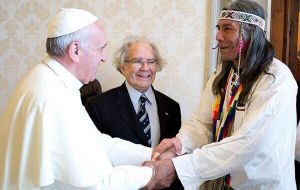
(151, 108)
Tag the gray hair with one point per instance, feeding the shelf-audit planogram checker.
(57, 46)
(122, 53)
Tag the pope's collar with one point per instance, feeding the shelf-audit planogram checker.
(66, 77)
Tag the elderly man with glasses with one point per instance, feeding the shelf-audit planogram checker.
(135, 111)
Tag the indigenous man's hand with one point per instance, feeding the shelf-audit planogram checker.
(171, 145)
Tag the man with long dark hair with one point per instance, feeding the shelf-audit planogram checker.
(243, 134)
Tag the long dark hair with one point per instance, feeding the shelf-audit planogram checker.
(258, 56)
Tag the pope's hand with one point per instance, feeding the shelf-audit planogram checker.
(163, 174)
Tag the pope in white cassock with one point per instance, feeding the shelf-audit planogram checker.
(47, 140)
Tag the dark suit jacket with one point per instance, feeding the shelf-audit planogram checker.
(113, 114)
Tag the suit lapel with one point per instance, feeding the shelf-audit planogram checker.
(127, 113)
(163, 114)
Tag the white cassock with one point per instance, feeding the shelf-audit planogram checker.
(47, 138)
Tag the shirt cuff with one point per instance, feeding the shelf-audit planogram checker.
(186, 171)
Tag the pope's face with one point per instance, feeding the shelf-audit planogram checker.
(140, 67)
(93, 54)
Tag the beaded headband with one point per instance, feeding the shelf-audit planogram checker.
(243, 17)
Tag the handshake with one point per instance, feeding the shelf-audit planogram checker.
(164, 172)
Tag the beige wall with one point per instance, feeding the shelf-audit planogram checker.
(179, 28)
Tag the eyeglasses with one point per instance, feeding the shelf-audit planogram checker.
(140, 61)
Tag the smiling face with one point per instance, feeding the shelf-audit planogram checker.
(228, 39)
(138, 73)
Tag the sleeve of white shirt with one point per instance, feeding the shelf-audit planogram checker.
(119, 179)
(259, 131)
(122, 152)
(297, 148)
(198, 131)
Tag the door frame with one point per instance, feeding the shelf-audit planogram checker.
(284, 32)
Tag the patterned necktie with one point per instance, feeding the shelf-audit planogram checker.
(143, 118)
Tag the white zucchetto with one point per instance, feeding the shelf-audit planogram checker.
(68, 21)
